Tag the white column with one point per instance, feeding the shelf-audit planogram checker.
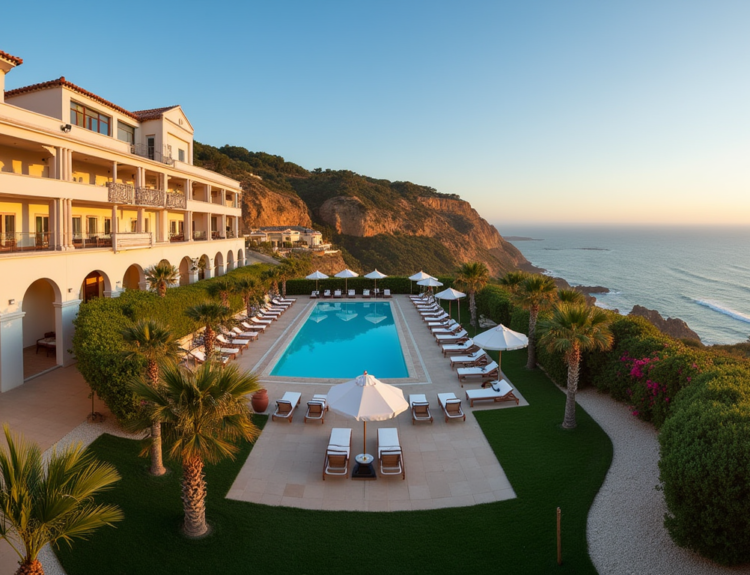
(11, 350)
(54, 240)
(209, 237)
(188, 189)
(114, 172)
(163, 225)
(139, 225)
(209, 271)
(115, 225)
(236, 227)
(192, 276)
(165, 182)
(65, 313)
(223, 197)
(188, 226)
(222, 225)
(69, 223)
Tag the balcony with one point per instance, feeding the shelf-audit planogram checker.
(132, 240)
(132, 196)
(82, 241)
(151, 153)
(199, 236)
(173, 237)
(25, 242)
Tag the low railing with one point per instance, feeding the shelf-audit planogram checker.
(231, 234)
(25, 242)
(132, 240)
(199, 236)
(87, 240)
(151, 153)
(177, 237)
(149, 197)
(130, 195)
(176, 200)
(216, 236)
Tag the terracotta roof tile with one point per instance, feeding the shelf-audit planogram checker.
(152, 114)
(15, 59)
(141, 115)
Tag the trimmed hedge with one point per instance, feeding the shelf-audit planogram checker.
(705, 466)
(397, 285)
(98, 344)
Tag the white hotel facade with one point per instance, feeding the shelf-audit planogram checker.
(90, 196)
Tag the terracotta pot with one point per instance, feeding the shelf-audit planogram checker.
(260, 401)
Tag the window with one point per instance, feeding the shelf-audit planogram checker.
(181, 155)
(133, 225)
(150, 145)
(173, 227)
(214, 223)
(107, 226)
(76, 227)
(91, 225)
(7, 227)
(42, 224)
(147, 225)
(89, 119)
(125, 133)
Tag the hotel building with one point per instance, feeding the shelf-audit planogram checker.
(91, 195)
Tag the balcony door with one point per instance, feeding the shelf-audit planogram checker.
(7, 230)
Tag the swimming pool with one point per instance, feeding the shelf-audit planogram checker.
(342, 340)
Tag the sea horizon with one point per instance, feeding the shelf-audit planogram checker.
(697, 273)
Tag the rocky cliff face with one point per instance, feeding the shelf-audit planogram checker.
(454, 223)
(671, 326)
(264, 207)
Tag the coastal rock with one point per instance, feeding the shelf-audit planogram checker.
(591, 289)
(264, 207)
(454, 223)
(670, 326)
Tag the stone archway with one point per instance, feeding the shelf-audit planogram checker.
(94, 285)
(185, 264)
(218, 265)
(204, 264)
(40, 327)
(230, 261)
(134, 277)
(240, 258)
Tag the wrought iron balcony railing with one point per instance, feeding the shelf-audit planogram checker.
(130, 195)
(145, 151)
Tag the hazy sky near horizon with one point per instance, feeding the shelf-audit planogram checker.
(534, 111)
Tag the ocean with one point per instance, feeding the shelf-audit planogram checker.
(698, 274)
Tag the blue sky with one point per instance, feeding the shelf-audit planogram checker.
(534, 111)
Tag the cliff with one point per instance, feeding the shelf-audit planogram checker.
(399, 227)
(671, 326)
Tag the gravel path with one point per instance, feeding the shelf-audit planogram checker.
(86, 433)
(626, 533)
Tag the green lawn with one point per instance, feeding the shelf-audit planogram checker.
(547, 467)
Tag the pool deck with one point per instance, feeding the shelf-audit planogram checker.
(448, 464)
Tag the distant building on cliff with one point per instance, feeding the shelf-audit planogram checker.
(288, 236)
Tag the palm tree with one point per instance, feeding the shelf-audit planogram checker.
(39, 508)
(211, 315)
(221, 288)
(570, 296)
(573, 329)
(153, 342)
(473, 276)
(161, 276)
(513, 280)
(533, 293)
(205, 412)
(248, 289)
(271, 278)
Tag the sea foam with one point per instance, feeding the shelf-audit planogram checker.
(716, 306)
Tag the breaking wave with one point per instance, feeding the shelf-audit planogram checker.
(716, 306)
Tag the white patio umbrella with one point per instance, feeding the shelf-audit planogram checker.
(501, 339)
(430, 283)
(367, 399)
(346, 274)
(317, 275)
(376, 275)
(418, 277)
(451, 295)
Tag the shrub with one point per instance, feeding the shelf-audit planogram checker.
(98, 344)
(705, 466)
(494, 302)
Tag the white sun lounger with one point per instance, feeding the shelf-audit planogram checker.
(237, 342)
(286, 405)
(200, 356)
(337, 453)
(497, 391)
(387, 293)
(485, 373)
(451, 406)
(450, 328)
(327, 293)
(337, 294)
(283, 303)
(245, 334)
(420, 408)
(471, 360)
(316, 408)
(259, 321)
(452, 338)
(366, 293)
(230, 351)
(315, 295)
(389, 452)
(443, 322)
(351, 293)
(258, 325)
(465, 347)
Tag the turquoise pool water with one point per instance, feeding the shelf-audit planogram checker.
(342, 340)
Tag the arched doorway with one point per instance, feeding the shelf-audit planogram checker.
(133, 277)
(203, 264)
(185, 266)
(218, 265)
(230, 260)
(240, 258)
(40, 328)
(93, 286)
